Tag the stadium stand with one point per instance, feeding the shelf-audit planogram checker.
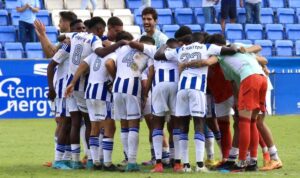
(134, 30)
(44, 16)
(125, 15)
(15, 16)
(138, 17)
(158, 4)
(133, 4)
(55, 17)
(52, 33)
(114, 4)
(175, 4)
(297, 48)
(34, 50)
(104, 13)
(7, 34)
(164, 17)
(294, 3)
(267, 16)
(72, 4)
(234, 32)
(274, 31)
(13, 50)
(3, 17)
(284, 47)
(241, 15)
(276, 3)
(169, 30)
(82, 14)
(248, 42)
(54, 4)
(286, 15)
(194, 3)
(195, 27)
(212, 28)
(254, 31)
(199, 16)
(184, 16)
(11, 4)
(267, 47)
(293, 31)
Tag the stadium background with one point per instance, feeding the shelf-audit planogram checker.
(23, 86)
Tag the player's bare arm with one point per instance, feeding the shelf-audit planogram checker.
(102, 52)
(136, 45)
(83, 67)
(48, 48)
(253, 49)
(229, 50)
(199, 63)
(150, 80)
(50, 76)
(160, 54)
(261, 60)
(111, 68)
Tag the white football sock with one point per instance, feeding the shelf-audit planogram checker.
(157, 139)
(75, 152)
(124, 139)
(133, 141)
(209, 144)
(108, 145)
(273, 153)
(68, 153)
(199, 139)
(184, 148)
(94, 148)
(176, 138)
(59, 152)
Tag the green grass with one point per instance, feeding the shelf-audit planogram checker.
(26, 144)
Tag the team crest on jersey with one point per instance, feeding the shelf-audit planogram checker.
(97, 64)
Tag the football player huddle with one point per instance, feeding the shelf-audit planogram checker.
(96, 80)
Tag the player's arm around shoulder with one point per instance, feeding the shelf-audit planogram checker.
(160, 53)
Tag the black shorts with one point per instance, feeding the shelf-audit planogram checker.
(228, 8)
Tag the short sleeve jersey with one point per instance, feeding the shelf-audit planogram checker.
(191, 78)
(130, 65)
(98, 78)
(82, 45)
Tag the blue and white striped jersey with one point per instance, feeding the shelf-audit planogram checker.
(190, 78)
(82, 45)
(62, 58)
(98, 78)
(130, 65)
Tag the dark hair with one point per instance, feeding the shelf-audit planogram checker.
(199, 37)
(182, 31)
(114, 21)
(124, 35)
(150, 10)
(186, 39)
(171, 41)
(75, 22)
(147, 39)
(95, 21)
(87, 23)
(68, 15)
(216, 39)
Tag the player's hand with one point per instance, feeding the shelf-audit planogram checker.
(181, 67)
(67, 41)
(69, 90)
(266, 70)
(27, 5)
(123, 42)
(241, 4)
(109, 86)
(242, 50)
(106, 43)
(51, 94)
(40, 28)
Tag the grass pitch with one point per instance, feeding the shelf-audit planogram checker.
(26, 144)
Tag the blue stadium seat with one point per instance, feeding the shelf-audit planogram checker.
(254, 31)
(13, 50)
(199, 16)
(276, 3)
(170, 30)
(133, 4)
(138, 17)
(292, 31)
(212, 28)
(247, 42)
(284, 47)
(34, 50)
(294, 3)
(195, 28)
(164, 16)
(274, 31)
(194, 3)
(3, 17)
(11, 4)
(15, 16)
(158, 4)
(7, 34)
(241, 14)
(52, 33)
(266, 15)
(267, 47)
(175, 3)
(297, 47)
(44, 16)
(234, 32)
(184, 16)
(286, 15)
(298, 14)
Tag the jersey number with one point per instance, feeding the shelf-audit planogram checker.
(97, 64)
(186, 57)
(77, 54)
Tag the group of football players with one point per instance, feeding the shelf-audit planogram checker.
(96, 79)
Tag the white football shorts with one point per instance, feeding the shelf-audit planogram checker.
(126, 106)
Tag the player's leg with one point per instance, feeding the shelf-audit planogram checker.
(148, 119)
(170, 127)
(157, 138)
(88, 129)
